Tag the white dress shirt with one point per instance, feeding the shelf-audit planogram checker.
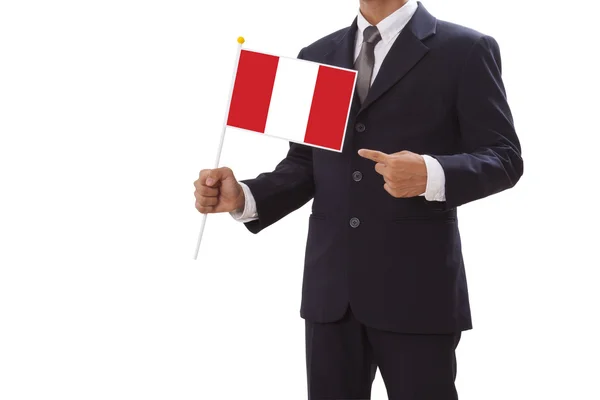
(389, 28)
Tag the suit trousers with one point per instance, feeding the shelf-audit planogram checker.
(342, 358)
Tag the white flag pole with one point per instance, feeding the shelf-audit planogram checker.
(240, 41)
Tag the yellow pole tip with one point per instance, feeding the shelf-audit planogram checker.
(241, 40)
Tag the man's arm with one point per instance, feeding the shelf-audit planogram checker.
(491, 153)
(283, 190)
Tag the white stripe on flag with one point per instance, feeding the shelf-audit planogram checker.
(291, 100)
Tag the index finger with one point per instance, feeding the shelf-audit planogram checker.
(373, 155)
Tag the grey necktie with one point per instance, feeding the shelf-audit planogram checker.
(365, 61)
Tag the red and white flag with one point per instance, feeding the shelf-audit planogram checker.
(297, 100)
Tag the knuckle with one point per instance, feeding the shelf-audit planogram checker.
(392, 191)
(204, 209)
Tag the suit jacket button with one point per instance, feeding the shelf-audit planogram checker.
(354, 222)
(360, 127)
(357, 176)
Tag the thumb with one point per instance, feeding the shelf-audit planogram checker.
(216, 175)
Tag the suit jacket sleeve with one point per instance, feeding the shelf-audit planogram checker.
(288, 187)
(490, 159)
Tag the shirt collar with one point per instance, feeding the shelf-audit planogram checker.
(390, 26)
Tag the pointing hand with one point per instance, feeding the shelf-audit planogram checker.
(404, 173)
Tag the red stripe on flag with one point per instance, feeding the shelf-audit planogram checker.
(329, 109)
(252, 91)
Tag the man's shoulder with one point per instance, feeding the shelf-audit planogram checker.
(455, 36)
(324, 45)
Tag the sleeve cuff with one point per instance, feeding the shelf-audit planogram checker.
(436, 180)
(249, 212)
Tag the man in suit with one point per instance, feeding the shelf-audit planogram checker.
(384, 282)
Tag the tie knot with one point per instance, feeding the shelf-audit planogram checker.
(371, 35)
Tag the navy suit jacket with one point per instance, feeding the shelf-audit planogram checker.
(399, 265)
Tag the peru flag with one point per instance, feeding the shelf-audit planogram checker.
(297, 100)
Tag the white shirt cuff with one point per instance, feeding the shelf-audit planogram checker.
(436, 180)
(249, 212)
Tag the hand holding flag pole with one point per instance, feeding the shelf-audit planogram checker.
(240, 41)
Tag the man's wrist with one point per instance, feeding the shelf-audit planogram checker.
(240, 203)
(247, 211)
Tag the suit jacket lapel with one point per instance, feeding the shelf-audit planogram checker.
(342, 55)
(405, 53)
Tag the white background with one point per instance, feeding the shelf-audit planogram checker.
(109, 109)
